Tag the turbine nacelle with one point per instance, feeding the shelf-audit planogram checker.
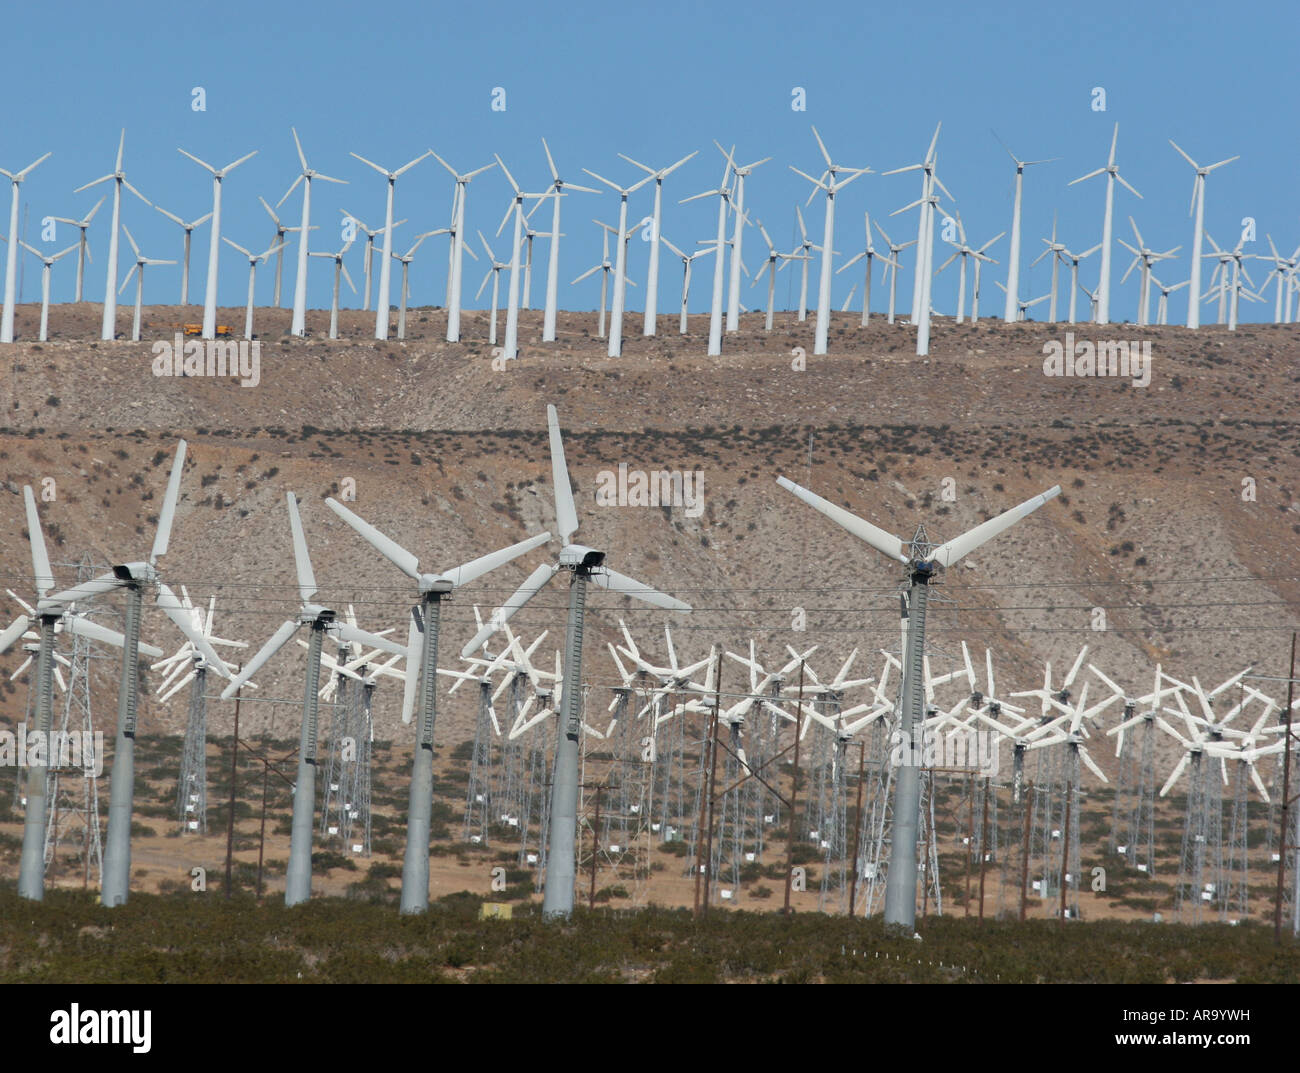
(311, 613)
(581, 558)
(138, 572)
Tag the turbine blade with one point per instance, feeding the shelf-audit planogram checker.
(40, 558)
(306, 579)
(955, 549)
(565, 512)
(163, 536)
(883, 542)
(404, 560)
(534, 584)
(626, 586)
(463, 575)
(272, 646)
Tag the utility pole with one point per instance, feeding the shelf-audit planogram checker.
(984, 827)
(230, 821)
(1286, 799)
(794, 798)
(857, 828)
(1024, 850)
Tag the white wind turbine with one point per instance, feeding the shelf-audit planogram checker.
(494, 273)
(870, 253)
(214, 238)
(405, 260)
(188, 228)
(1013, 264)
(47, 264)
(458, 244)
(50, 617)
(964, 250)
(772, 266)
(1025, 304)
(1162, 303)
(382, 305)
(1282, 269)
(1236, 258)
(928, 180)
(339, 269)
(1145, 257)
(894, 250)
(319, 620)
(620, 259)
(585, 564)
(723, 194)
(925, 258)
(1074, 259)
(1056, 251)
(741, 173)
(253, 260)
(11, 257)
(279, 243)
(557, 191)
(1197, 207)
(652, 277)
(369, 254)
(832, 185)
(83, 251)
(433, 588)
(109, 322)
(298, 325)
(511, 342)
(687, 260)
(134, 578)
(1111, 171)
(137, 270)
(924, 561)
(605, 267)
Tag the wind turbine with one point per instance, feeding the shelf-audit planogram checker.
(894, 250)
(47, 263)
(738, 232)
(50, 616)
(133, 577)
(924, 561)
(299, 324)
(1282, 267)
(620, 259)
(928, 180)
(368, 257)
(458, 246)
(964, 250)
(1013, 264)
(280, 242)
(557, 191)
(1055, 250)
(339, 268)
(406, 268)
(83, 253)
(494, 271)
(869, 253)
(1198, 207)
(723, 193)
(687, 260)
(832, 186)
(253, 259)
(652, 280)
(584, 564)
(511, 342)
(1111, 171)
(1145, 257)
(137, 270)
(11, 258)
(385, 269)
(109, 323)
(1236, 258)
(214, 239)
(605, 268)
(188, 228)
(1074, 259)
(319, 620)
(774, 256)
(433, 587)
(1162, 303)
(925, 256)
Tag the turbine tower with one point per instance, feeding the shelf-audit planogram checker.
(1010, 313)
(214, 240)
(741, 172)
(620, 260)
(433, 588)
(723, 194)
(558, 188)
(584, 564)
(188, 228)
(83, 247)
(1111, 171)
(923, 561)
(458, 247)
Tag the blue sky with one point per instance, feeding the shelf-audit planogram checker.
(656, 82)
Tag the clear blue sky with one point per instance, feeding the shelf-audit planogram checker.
(656, 81)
